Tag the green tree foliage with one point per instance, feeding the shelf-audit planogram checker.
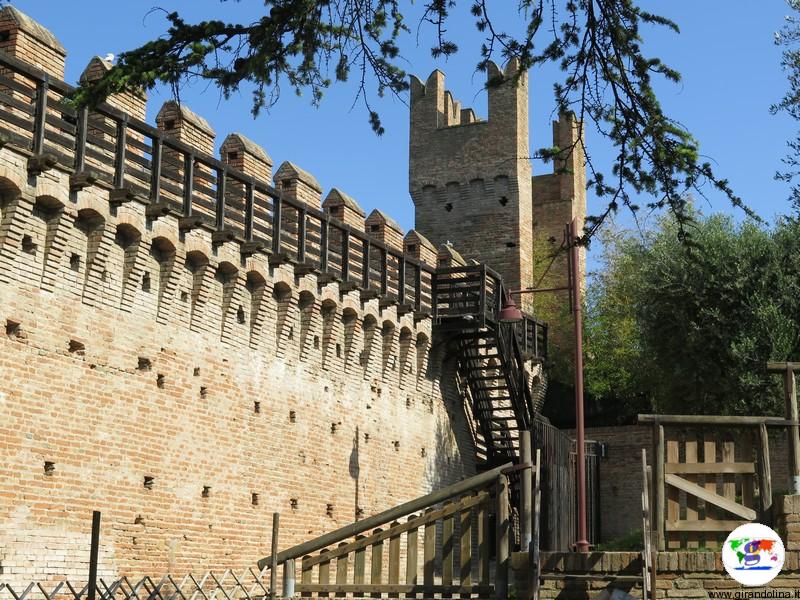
(689, 329)
(789, 38)
(306, 45)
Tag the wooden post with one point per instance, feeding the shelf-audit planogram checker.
(93, 552)
(273, 569)
(794, 429)
(277, 209)
(219, 209)
(155, 170)
(764, 471)
(80, 139)
(401, 281)
(120, 152)
(249, 210)
(40, 115)
(535, 570)
(525, 511)
(658, 483)
(646, 527)
(418, 288)
(503, 539)
(790, 394)
(412, 545)
(288, 578)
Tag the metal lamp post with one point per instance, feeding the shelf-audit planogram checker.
(510, 313)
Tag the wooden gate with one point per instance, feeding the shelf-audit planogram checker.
(709, 473)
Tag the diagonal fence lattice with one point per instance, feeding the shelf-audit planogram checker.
(250, 584)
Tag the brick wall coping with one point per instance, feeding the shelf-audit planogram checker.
(289, 170)
(379, 215)
(34, 29)
(337, 197)
(414, 235)
(249, 146)
(188, 115)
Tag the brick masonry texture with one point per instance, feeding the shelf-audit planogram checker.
(680, 574)
(188, 392)
(131, 354)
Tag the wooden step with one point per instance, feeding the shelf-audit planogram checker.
(488, 378)
(481, 357)
(480, 335)
(504, 428)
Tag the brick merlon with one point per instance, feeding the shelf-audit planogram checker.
(415, 237)
(187, 115)
(33, 29)
(249, 146)
(378, 215)
(337, 197)
(289, 170)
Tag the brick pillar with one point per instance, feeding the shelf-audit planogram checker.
(25, 39)
(384, 229)
(297, 184)
(449, 257)
(133, 103)
(180, 123)
(421, 248)
(177, 121)
(787, 521)
(344, 208)
(246, 156)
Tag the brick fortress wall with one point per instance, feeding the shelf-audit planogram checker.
(188, 392)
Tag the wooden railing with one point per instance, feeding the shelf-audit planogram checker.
(532, 336)
(469, 293)
(474, 293)
(710, 474)
(447, 533)
(107, 148)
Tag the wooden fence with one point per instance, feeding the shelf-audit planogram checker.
(455, 542)
(710, 475)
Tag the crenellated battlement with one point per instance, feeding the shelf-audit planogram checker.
(165, 178)
(234, 260)
(432, 105)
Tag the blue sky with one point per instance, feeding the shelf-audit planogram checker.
(725, 52)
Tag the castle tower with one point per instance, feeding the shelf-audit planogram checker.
(472, 186)
(558, 198)
(470, 179)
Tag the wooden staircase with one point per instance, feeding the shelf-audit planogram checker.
(492, 357)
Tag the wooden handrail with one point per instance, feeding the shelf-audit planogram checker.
(139, 126)
(721, 420)
(465, 485)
